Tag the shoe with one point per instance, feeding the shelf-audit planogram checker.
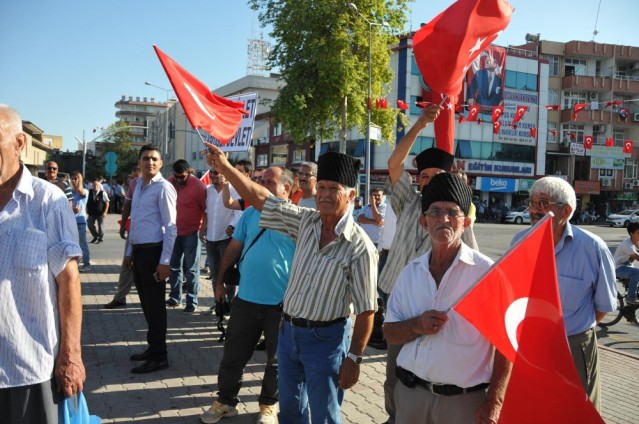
(210, 311)
(261, 346)
(85, 268)
(141, 356)
(216, 412)
(268, 414)
(172, 303)
(204, 271)
(94, 240)
(150, 366)
(190, 309)
(99, 241)
(114, 304)
(631, 301)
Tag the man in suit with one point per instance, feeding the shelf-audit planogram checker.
(486, 87)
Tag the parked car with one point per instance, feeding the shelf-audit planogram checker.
(518, 216)
(623, 218)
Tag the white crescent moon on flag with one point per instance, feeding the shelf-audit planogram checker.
(515, 314)
(197, 101)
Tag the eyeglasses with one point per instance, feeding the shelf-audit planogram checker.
(305, 175)
(542, 204)
(438, 213)
(51, 168)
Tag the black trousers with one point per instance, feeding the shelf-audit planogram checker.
(152, 297)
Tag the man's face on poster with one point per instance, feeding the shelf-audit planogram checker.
(490, 64)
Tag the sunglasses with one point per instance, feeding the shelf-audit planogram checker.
(51, 168)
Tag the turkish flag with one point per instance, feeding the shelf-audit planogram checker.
(576, 108)
(402, 105)
(553, 132)
(610, 142)
(624, 112)
(496, 127)
(461, 119)
(445, 47)
(381, 103)
(614, 102)
(627, 146)
(552, 107)
(573, 136)
(422, 105)
(519, 113)
(497, 112)
(516, 307)
(533, 132)
(216, 115)
(473, 112)
(588, 141)
(206, 178)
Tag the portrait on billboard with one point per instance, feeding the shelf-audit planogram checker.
(485, 79)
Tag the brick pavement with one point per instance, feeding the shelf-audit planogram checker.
(180, 393)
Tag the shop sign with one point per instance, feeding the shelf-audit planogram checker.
(587, 187)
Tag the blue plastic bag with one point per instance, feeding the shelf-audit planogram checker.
(74, 410)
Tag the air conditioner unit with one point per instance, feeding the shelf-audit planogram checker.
(593, 96)
(599, 129)
(635, 183)
(606, 182)
(628, 185)
(635, 117)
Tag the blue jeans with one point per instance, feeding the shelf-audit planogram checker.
(626, 271)
(86, 254)
(309, 361)
(214, 253)
(185, 261)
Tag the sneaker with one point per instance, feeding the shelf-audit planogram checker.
(86, 268)
(631, 301)
(216, 412)
(189, 309)
(210, 311)
(268, 414)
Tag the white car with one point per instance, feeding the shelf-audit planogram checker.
(518, 216)
(623, 218)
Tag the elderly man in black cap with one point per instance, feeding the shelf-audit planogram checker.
(334, 269)
(411, 240)
(445, 364)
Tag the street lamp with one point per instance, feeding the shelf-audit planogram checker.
(166, 132)
(367, 163)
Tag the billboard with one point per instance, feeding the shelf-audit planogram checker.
(242, 140)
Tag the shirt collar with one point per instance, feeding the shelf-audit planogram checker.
(25, 184)
(464, 254)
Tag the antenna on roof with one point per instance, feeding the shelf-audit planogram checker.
(595, 32)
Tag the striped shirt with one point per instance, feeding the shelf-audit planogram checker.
(324, 282)
(411, 239)
(39, 236)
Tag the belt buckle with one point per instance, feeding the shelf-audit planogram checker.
(431, 388)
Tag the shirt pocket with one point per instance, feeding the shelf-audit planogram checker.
(30, 253)
(572, 292)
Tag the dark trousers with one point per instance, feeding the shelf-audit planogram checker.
(37, 403)
(91, 221)
(152, 293)
(248, 321)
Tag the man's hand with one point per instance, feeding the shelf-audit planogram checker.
(69, 373)
(123, 233)
(220, 291)
(348, 374)
(218, 157)
(127, 262)
(203, 236)
(488, 412)
(429, 114)
(163, 271)
(429, 323)
(229, 230)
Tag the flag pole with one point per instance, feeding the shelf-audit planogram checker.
(546, 217)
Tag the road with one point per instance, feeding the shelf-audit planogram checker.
(494, 240)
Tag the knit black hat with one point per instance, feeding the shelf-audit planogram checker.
(434, 158)
(447, 187)
(338, 167)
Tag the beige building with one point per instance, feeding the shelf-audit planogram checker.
(38, 144)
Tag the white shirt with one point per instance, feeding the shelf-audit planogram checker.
(623, 252)
(39, 235)
(372, 230)
(218, 217)
(309, 202)
(458, 354)
(153, 215)
(388, 230)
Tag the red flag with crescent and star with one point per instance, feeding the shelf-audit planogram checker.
(588, 141)
(613, 103)
(519, 113)
(578, 107)
(445, 47)
(610, 142)
(496, 127)
(552, 107)
(516, 307)
(497, 112)
(473, 112)
(627, 146)
(533, 132)
(402, 105)
(214, 114)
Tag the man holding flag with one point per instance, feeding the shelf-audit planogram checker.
(585, 273)
(445, 364)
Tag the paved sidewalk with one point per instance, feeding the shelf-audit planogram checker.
(180, 393)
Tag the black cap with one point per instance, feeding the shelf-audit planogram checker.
(446, 187)
(338, 167)
(434, 158)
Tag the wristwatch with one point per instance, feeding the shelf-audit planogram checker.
(355, 358)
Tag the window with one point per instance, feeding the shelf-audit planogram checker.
(277, 129)
(421, 144)
(553, 97)
(553, 65)
(630, 170)
(618, 136)
(521, 81)
(299, 156)
(574, 67)
(552, 133)
(261, 160)
(571, 133)
(572, 97)
(414, 70)
(413, 108)
(495, 151)
(279, 155)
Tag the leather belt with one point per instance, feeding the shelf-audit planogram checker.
(411, 380)
(301, 322)
(146, 245)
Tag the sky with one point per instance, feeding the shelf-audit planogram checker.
(65, 63)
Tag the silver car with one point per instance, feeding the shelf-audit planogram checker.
(518, 216)
(623, 218)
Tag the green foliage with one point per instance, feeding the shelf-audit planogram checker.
(117, 139)
(321, 50)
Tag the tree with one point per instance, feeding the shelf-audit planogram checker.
(321, 50)
(117, 139)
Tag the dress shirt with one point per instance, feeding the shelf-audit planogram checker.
(324, 282)
(153, 216)
(389, 228)
(372, 230)
(218, 216)
(458, 354)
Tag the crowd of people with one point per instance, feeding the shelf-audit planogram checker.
(321, 275)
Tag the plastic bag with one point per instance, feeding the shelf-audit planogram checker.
(74, 410)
